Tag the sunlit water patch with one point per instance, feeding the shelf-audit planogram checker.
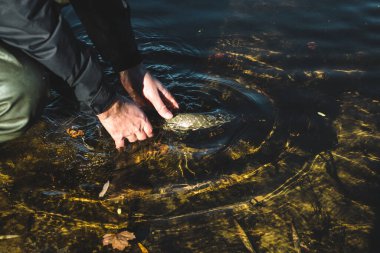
(294, 169)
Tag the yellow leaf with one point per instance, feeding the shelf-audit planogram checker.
(142, 248)
(74, 133)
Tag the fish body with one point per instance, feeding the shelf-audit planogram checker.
(197, 121)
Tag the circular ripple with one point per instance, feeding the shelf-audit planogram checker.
(202, 164)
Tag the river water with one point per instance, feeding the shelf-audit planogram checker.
(297, 170)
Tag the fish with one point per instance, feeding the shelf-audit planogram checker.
(198, 121)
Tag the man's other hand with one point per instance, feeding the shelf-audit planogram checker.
(125, 120)
(142, 87)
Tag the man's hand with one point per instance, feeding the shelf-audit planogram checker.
(125, 120)
(142, 87)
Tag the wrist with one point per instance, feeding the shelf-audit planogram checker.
(135, 73)
(112, 109)
(103, 99)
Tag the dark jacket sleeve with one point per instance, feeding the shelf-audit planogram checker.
(108, 25)
(37, 28)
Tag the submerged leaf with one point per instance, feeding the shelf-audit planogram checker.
(74, 133)
(104, 190)
(142, 248)
(118, 241)
(127, 235)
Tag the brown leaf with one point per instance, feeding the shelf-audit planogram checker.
(107, 239)
(74, 133)
(118, 241)
(127, 235)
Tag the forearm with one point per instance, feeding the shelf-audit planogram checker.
(109, 27)
(37, 28)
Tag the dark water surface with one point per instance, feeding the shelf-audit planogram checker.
(296, 169)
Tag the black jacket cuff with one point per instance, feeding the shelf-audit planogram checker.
(103, 99)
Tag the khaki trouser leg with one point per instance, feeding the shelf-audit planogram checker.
(23, 90)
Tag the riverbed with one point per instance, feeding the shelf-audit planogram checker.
(299, 172)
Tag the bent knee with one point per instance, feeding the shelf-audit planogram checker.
(23, 89)
(12, 123)
(18, 109)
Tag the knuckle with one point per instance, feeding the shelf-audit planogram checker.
(163, 108)
(132, 139)
(142, 137)
(149, 132)
(144, 117)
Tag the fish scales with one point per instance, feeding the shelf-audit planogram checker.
(198, 121)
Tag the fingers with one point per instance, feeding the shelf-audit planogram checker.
(148, 129)
(161, 107)
(119, 143)
(148, 132)
(158, 104)
(145, 132)
(124, 120)
(153, 89)
(141, 136)
(132, 138)
(168, 96)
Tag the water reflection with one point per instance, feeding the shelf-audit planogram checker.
(298, 174)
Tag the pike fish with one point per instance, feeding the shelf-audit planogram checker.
(197, 121)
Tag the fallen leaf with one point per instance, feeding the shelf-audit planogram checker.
(118, 241)
(74, 133)
(142, 248)
(104, 190)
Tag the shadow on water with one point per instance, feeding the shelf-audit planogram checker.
(295, 169)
